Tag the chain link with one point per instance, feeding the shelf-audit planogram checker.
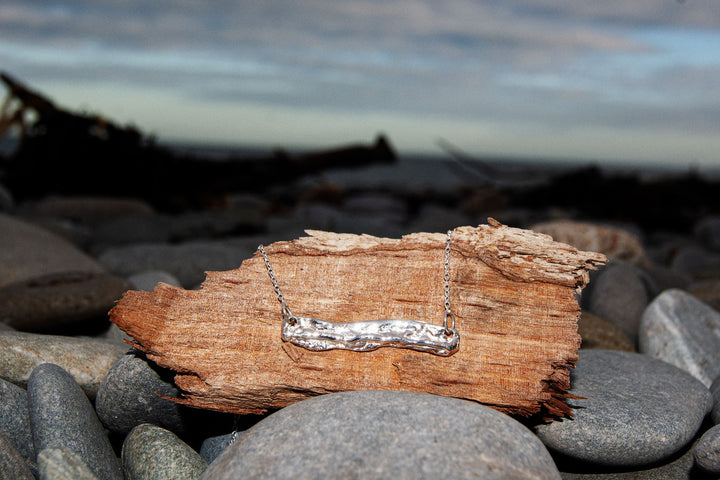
(446, 286)
(281, 298)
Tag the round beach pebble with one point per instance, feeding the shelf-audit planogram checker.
(130, 395)
(600, 334)
(707, 450)
(635, 410)
(60, 301)
(153, 453)
(614, 242)
(213, 446)
(619, 294)
(697, 261)
(28, 252)
(87, 360)
(15, 418)
(62, 416)
(384, 434)
(680, 329)
(61, 463)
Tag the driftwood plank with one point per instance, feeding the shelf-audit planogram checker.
(512, 293)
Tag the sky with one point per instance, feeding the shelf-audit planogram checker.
(621, 81)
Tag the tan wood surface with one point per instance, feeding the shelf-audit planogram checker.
(512, 293)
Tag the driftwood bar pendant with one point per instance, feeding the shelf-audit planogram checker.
(513, 296)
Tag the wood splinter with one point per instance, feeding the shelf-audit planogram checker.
(513, 296)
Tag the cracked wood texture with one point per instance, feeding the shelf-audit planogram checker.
(512, 293)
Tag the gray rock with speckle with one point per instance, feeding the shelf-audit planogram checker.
(635, 410)
(385, 434)
(680, 329)
(153, 453)
(62, 416)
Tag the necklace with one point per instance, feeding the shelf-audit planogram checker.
(320, 335)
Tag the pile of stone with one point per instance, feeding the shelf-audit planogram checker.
(76, 402)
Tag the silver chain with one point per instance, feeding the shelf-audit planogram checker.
(285, 310)
(446, 287)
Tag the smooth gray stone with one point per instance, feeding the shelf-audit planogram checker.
(28, 252)
(715, 390)
(87, 360)
(385, 434)
(63, 464)
(619, 295)
(15, 418)
(12, 464)
(697, 261)
(62, 416)
(707, 450)
(213, 446)
(147, 281)
(150, 452)
(635, 410)
(60, 302)
(680, 329)
(681, 468)
(130, 395)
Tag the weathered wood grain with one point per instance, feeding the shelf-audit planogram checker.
(512, 293)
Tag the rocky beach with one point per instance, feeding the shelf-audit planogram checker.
(77, 403)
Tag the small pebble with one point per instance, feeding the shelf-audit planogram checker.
(707, 450)
(61, 463)
(130, 395)
(28, 252)
(614, 242)
(680, 468)
(634, 410)
(213, 446)
(62, 416)
(680, 329)
(15, 418)
(153, 453)
(598, 333)
(60, 302)
(87, 360)
(619, 295)
(385, 434)
(697, 261)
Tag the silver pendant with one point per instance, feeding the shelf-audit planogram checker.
(321, 335)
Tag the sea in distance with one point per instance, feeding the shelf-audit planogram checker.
(446, 170)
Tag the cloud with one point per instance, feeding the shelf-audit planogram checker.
(612, 64)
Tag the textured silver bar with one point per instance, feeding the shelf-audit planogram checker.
(319, 335)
